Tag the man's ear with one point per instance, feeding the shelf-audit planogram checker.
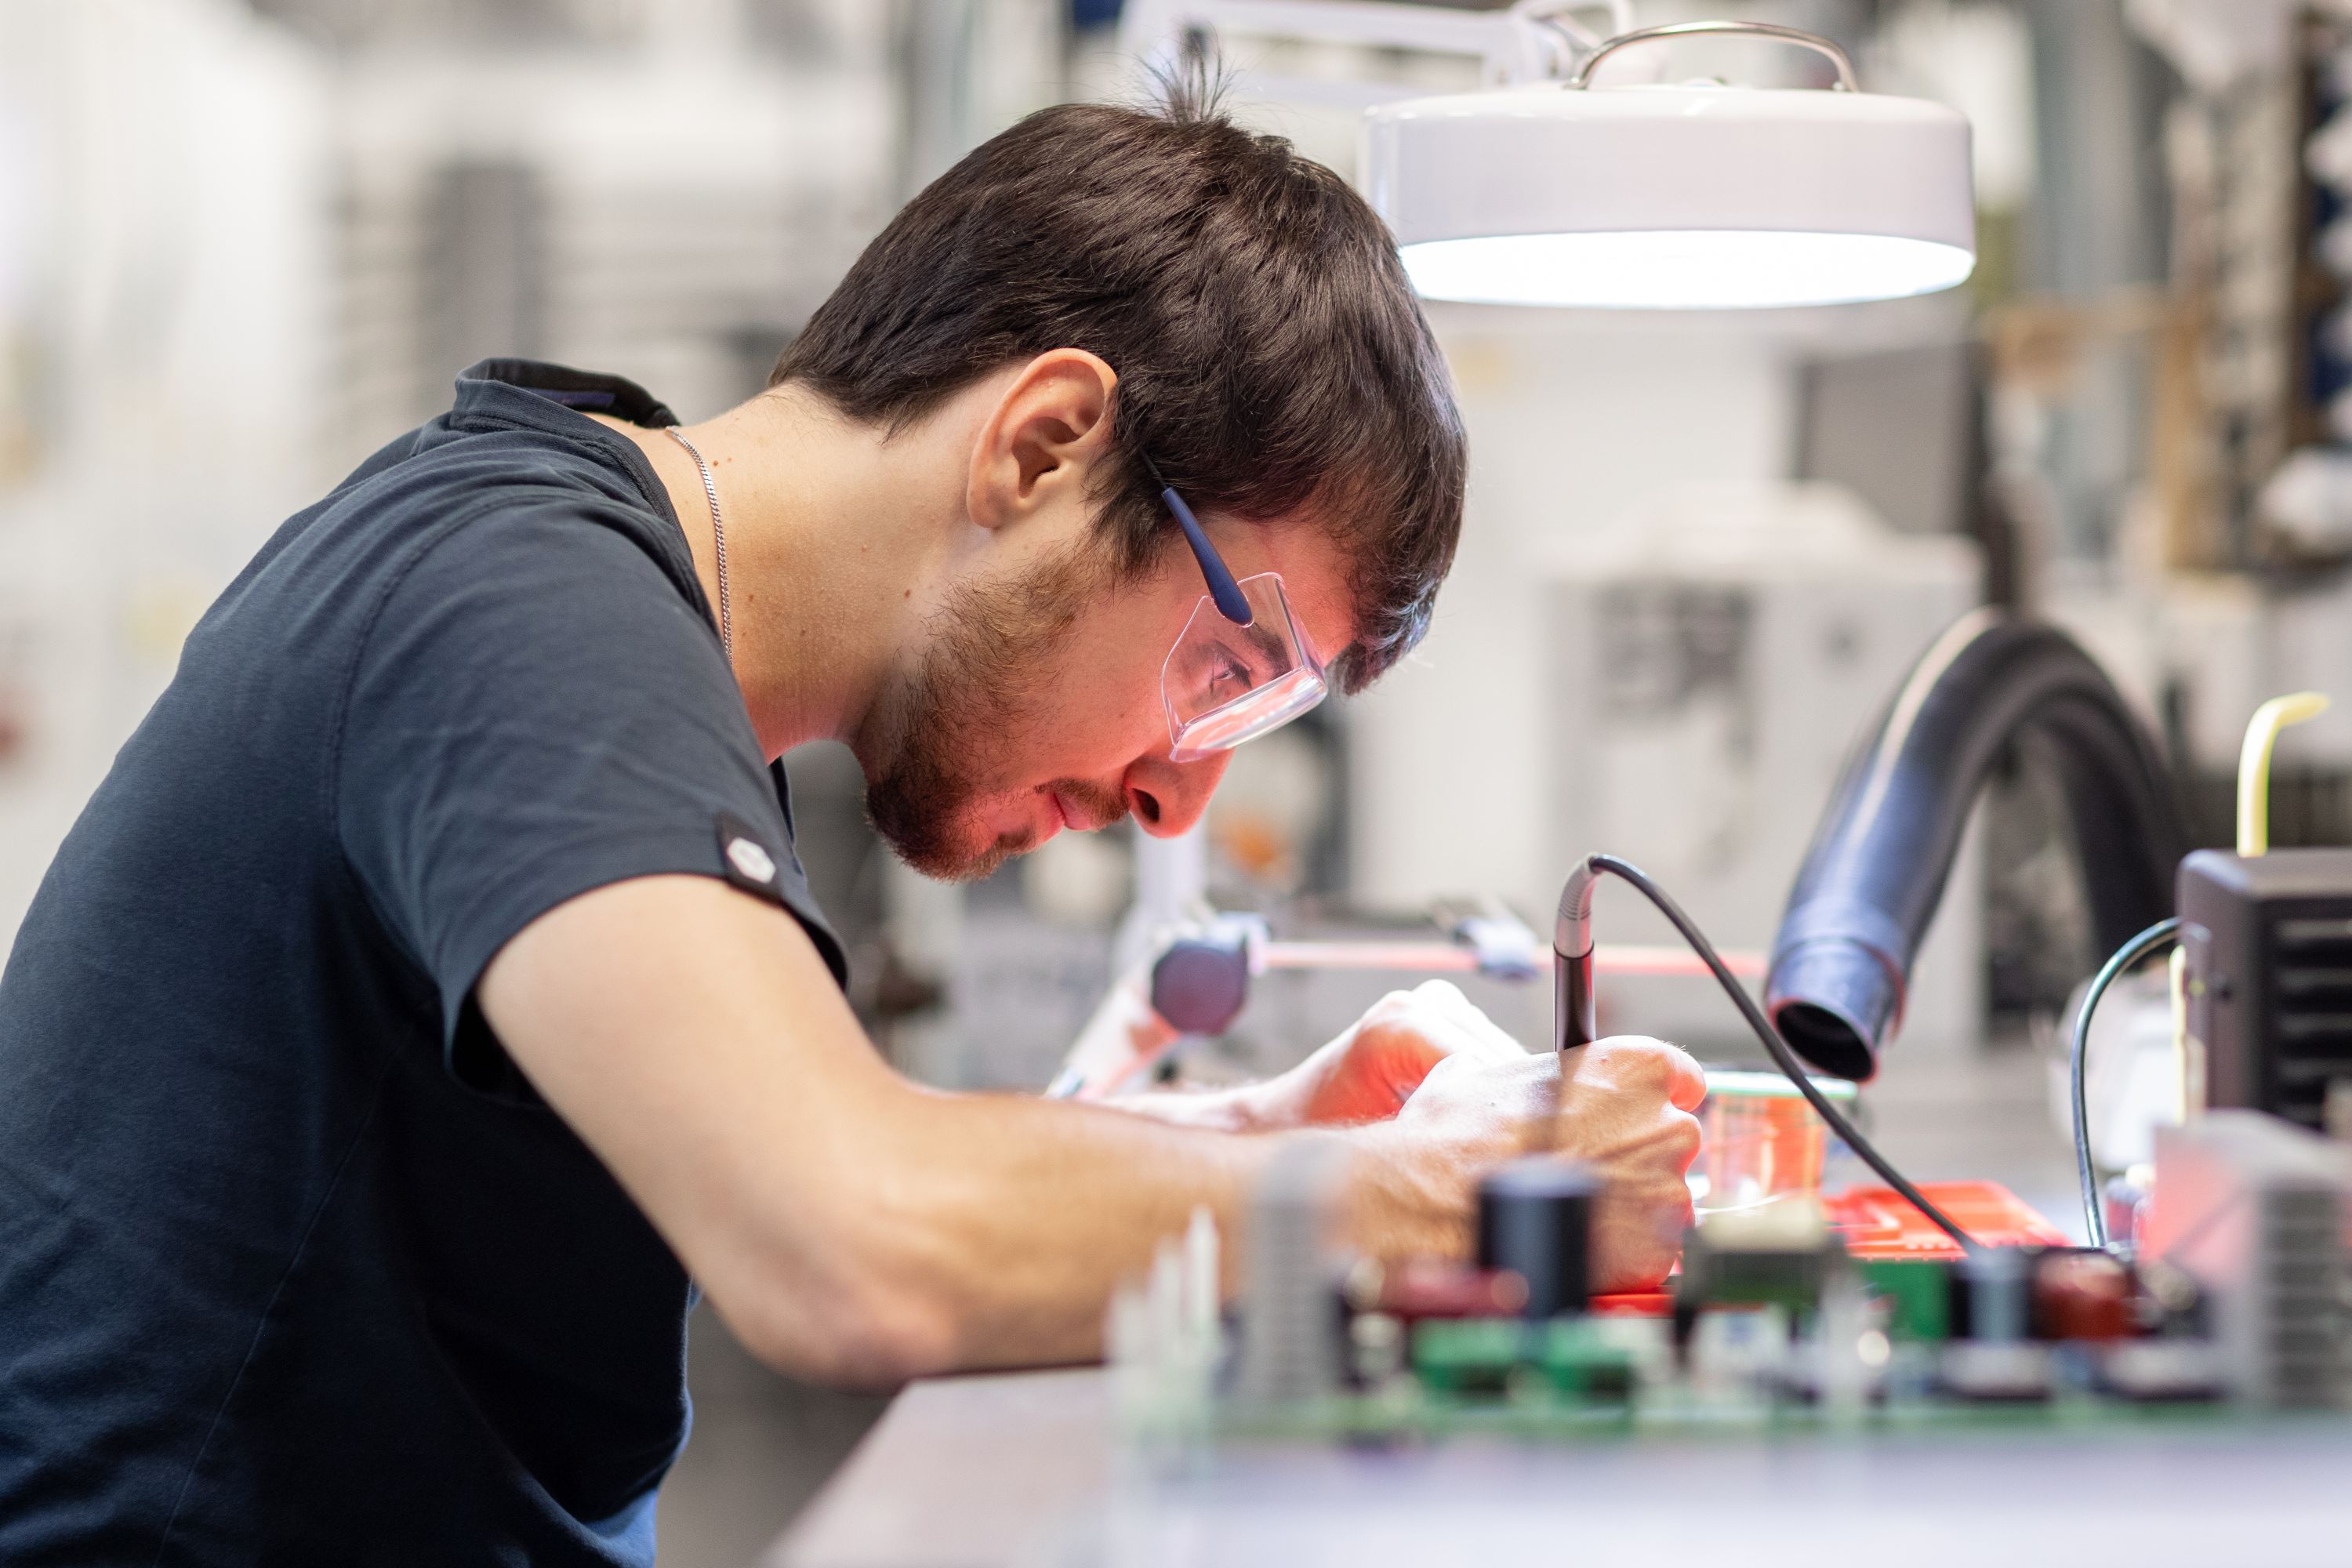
(1042, 439)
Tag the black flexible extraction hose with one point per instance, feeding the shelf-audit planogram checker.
(1876, 869)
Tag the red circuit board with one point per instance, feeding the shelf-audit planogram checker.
(1879, 1223)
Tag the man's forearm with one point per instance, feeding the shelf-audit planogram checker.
(851, 1226)
(1231, 1108)
(1022, 1216)
(1284, 1100)
(1015, 1218)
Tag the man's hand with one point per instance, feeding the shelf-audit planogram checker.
(1370, 1071)
(1623, 1106)
(1626, 1107)
(1365, 1075)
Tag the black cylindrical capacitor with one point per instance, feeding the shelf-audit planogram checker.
(1992, 1294)
(1535, 1218)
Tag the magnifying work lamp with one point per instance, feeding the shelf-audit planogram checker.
(1697, 196)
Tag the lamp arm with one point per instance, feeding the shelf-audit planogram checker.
(1511, 46)
(1797, 35)
(1557, 15)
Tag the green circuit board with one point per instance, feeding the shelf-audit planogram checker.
(1611, 1380)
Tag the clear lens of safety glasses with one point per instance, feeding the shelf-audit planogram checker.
(1226, 684)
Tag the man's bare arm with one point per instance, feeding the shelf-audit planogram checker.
(854, 1227)
(849, 1224)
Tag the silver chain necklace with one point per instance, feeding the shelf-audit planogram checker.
(717, 542)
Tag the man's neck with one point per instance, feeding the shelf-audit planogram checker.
(827, 555)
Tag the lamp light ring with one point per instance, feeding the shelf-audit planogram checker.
(1797, 35)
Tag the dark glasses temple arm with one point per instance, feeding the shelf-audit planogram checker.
(1223, 591)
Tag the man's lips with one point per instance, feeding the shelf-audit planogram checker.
(1074, 816)
(1080, 807)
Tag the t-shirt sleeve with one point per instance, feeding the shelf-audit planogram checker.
(537, 710)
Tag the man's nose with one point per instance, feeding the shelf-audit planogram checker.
(1168, 797)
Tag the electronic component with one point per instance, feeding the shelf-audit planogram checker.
(2253, 1209)
(1995, 1361)
(1474, 1357)
(1376, 1349)
(1578, 1359)
(2081, 1293)
(2011, 1372)
(1535, 1219)
(1917, 1294)
(2269, 983)
(2152, 1369)
(1779, 1254)
(1426, 1288)
(1568, 1358)
(1995, 1298)
(1291, 1322)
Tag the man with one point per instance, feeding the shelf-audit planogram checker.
(431, 994)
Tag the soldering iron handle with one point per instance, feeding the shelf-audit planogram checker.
(1573, 1020)
(1573, 1007)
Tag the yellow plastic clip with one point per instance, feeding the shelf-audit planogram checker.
(2254, 765)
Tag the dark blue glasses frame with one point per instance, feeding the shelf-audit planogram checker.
(1224, 592)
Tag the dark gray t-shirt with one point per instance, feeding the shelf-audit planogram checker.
(294, 1268)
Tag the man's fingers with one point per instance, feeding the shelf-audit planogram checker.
(1687, 1086)
(1634, 1061)
(1684, 1140)
(1475, 1032)
(1442, 1002)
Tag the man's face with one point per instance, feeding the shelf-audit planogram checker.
(1035, 705)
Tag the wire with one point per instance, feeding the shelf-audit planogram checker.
(2254, 765)
(1778, 1048)
(2094, 1222)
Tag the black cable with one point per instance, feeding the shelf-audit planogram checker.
(1778, 1048)
(2095, 1221)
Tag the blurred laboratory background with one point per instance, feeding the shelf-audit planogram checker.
(245, 242)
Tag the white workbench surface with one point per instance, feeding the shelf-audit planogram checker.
(1019, 1469)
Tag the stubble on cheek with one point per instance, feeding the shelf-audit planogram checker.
(949, 726)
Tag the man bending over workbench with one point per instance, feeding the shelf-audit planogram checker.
(430, 999)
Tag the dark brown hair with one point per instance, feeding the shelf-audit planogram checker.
(1271, 357)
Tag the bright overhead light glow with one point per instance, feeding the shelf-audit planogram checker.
(1683, 268)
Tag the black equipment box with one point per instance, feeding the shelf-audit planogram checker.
(2269, 945)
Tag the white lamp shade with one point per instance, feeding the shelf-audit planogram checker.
(1673, 197)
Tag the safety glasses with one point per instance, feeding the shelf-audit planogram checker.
(1242, 666)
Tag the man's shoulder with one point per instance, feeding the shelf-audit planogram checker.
(517, 444)
(447, 469)
(486, 506)
(448, 545)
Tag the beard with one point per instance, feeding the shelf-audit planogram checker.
(977, 691)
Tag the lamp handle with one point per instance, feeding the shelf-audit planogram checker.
(1802, 39)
